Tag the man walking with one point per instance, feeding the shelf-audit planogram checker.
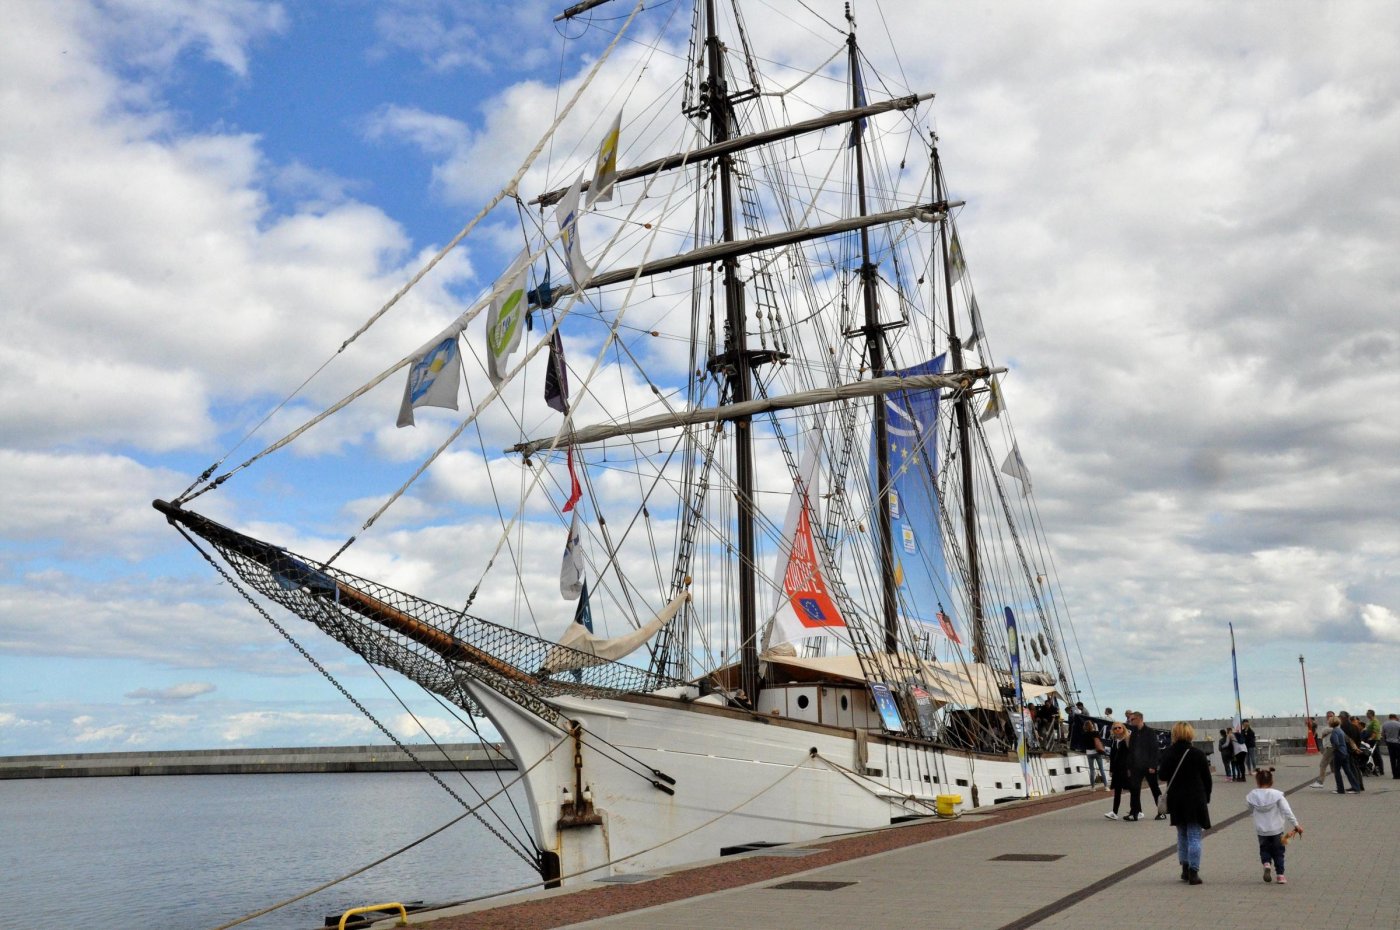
(1341, 761)
(1390, 732)
(1143, 753)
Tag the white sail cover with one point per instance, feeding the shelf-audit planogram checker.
(579, 648)
(966, 684)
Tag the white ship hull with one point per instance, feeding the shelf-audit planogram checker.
(740, 779)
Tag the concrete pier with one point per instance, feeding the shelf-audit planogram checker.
(313, 759)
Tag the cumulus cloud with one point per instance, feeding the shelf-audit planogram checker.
(174, 694)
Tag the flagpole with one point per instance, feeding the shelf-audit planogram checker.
(1307, 710)
(1235, 667)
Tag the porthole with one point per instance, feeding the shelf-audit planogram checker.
(845, 704)
(803, 701)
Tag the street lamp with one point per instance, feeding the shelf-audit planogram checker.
(1307, 709)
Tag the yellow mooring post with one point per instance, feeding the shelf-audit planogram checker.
(403, 913)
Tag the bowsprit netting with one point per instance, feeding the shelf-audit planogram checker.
(437, 647)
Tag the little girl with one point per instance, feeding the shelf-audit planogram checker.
(1270, 810)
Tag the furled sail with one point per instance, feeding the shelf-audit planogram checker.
(578, 648)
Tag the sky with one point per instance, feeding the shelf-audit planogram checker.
(1182, 222)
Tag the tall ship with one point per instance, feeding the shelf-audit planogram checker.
(750, 554)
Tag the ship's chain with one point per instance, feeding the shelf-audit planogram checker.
(534, 862)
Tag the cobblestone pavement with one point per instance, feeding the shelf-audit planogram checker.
(1076, 869)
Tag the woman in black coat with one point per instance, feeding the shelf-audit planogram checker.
(1188, 798)
(1118, 766)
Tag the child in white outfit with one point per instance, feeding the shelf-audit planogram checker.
(1270, 810)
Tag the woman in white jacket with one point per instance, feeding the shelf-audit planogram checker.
(1269, 808)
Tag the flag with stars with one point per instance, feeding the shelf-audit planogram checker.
(921, 571)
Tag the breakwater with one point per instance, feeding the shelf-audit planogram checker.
(312, 759)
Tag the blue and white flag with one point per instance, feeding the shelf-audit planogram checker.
(432, 379)
(566, 214)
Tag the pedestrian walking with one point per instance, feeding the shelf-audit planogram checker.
(1118, 765)
(1341, 761)
(1271, 814)
(1143, 753)
(1188, 798)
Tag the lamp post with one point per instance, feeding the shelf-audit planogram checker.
(1307, 708)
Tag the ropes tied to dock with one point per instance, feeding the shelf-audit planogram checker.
(474, 811)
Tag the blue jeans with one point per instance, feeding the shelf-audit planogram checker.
(1271, 851)
(1096, 760)
(1188, 845)
(1342, 764)
(1253, 760)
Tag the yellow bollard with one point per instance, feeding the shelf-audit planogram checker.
(403, 913)
(947, 803)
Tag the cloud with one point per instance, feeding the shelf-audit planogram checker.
(1382, 622)
(173, 694)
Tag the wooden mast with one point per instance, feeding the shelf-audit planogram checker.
(962, 410)
(735, 361)
(875, 351)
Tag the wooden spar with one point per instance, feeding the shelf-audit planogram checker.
(371, 608)
(728, 250)
(444, 644)
(954, 381)
(740, 143)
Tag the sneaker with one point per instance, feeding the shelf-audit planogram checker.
(1282, 880)
(1269, 873)
(1133, 817)
(1111, 815)
(1160, 817)
(1317, 784)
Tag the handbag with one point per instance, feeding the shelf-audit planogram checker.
(1162, 798)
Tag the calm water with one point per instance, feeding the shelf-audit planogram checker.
(196, 851)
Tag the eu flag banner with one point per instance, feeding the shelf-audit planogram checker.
(921, 571)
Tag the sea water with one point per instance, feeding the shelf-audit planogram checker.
(197, 851)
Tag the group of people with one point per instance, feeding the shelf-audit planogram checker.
(1180, 779)
(1238, 751)
(1351, 746)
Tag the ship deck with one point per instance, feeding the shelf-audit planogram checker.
(1074, 867)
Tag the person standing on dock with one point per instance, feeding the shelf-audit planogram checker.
(1390, 732)
(1372, 733)
(1247, 736)
(1324, 743)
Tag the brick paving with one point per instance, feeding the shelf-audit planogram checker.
(948, 874)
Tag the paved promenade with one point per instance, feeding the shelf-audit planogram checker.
(1085, 870)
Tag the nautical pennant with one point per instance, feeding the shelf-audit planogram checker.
(976, 316)
(1015, 466)
(575, 489)
(556, 376)
(605, 167)
(857, 101)
(432, 380)
(506, 318)
(583, 614)
(947, 626)
(571, 583)
(566, 214)
(806, 607)
(956, 267)
(995, 404)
